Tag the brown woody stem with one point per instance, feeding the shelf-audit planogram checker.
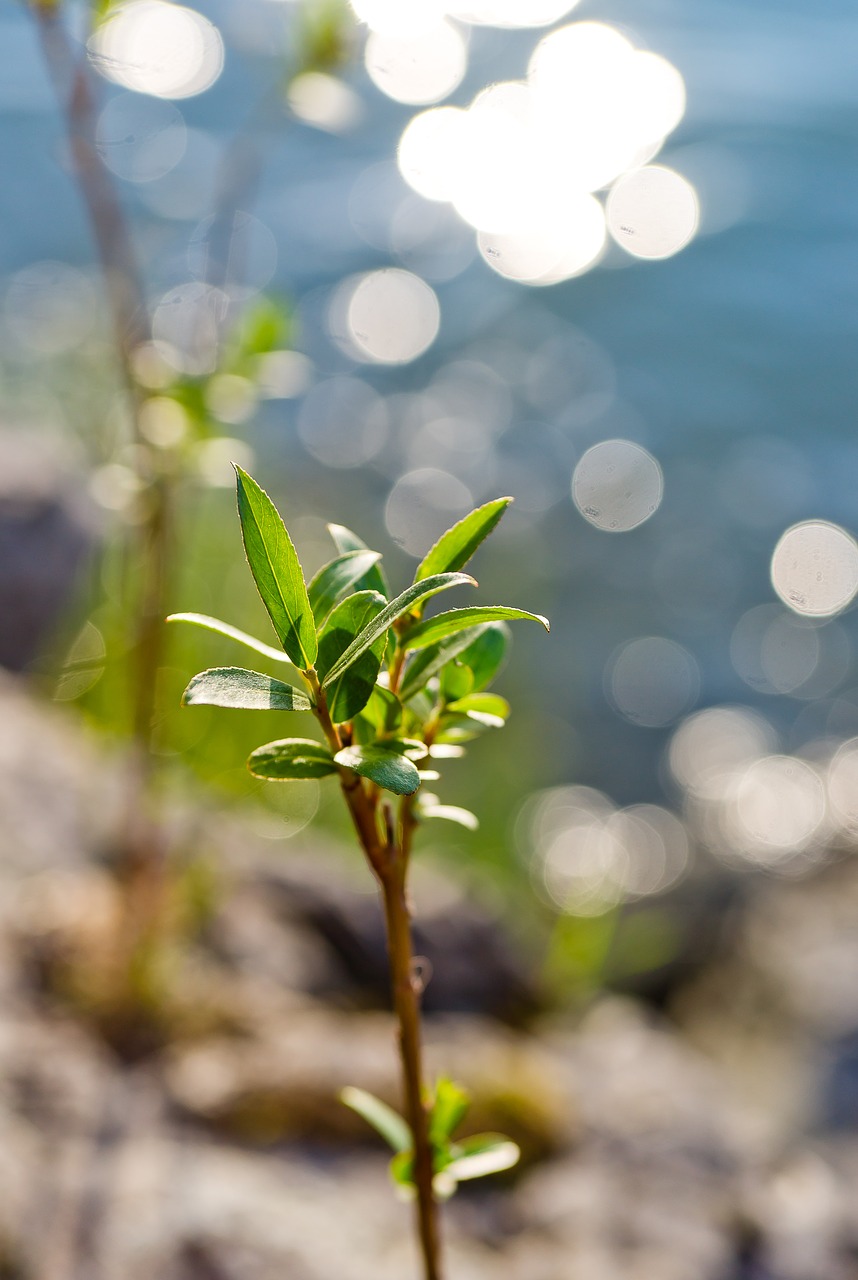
(388, 858)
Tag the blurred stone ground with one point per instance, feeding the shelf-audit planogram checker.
(716, 1141)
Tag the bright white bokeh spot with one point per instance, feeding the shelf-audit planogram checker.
(660, 847)
(422, 505)
(324, 102)
(518, 164)
(386, 317)
(653, 212)
(400, 17)
(778, 808)
(417, 69)
(570, 241)
(237, 251)
(652, 681)
(815, 568)
(586, 856)
(187, 326)
(162, 49)
(140, 139)
(215, 458)
(773, 651)
(617, 485)
(510, 13)
(343, 423)
(430, 152)
(712, 746)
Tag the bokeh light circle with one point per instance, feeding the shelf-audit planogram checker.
(652, 681)
(617, 485)
(422, 505)
(150, 46)
(140, 139)
(385, 317)
(417, 69)
(653, 212)
(815, 568)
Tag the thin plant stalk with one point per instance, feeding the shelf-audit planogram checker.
(388, 856)
(153, 544)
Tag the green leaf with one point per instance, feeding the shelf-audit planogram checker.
(488, 708)
(402, 1170)
(485, 655)
(483, 1154)
(380, 1116)
(455, 547)
(335, 578)
(276, 571)
(447, 624)
(383, 710)
(457, 681)
(425, 663)
(350, 692)
(387, 768)
(417, 592)
(248, 690)
(456, 728)
(449, 1108)
(345, 540)
(291, 758)
(450, 813)
(224, 629)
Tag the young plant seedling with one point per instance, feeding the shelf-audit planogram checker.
(394, 694)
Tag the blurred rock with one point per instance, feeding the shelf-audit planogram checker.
(47, 531)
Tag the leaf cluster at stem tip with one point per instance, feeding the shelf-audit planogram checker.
(390, 689)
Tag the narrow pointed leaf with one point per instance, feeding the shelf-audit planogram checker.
(450, 813)
(446, 624)
(404, 603)
(483, 1154)
(448, 1110)
(488, 704)
(387, 769)
(224, 629)
(336, 578)
(454, 548)
(345, 540)
(276, 571)
(350, 692)
(485, 655)
(291, 758)
(380, 1116)
(248, 690)
(427, 662)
